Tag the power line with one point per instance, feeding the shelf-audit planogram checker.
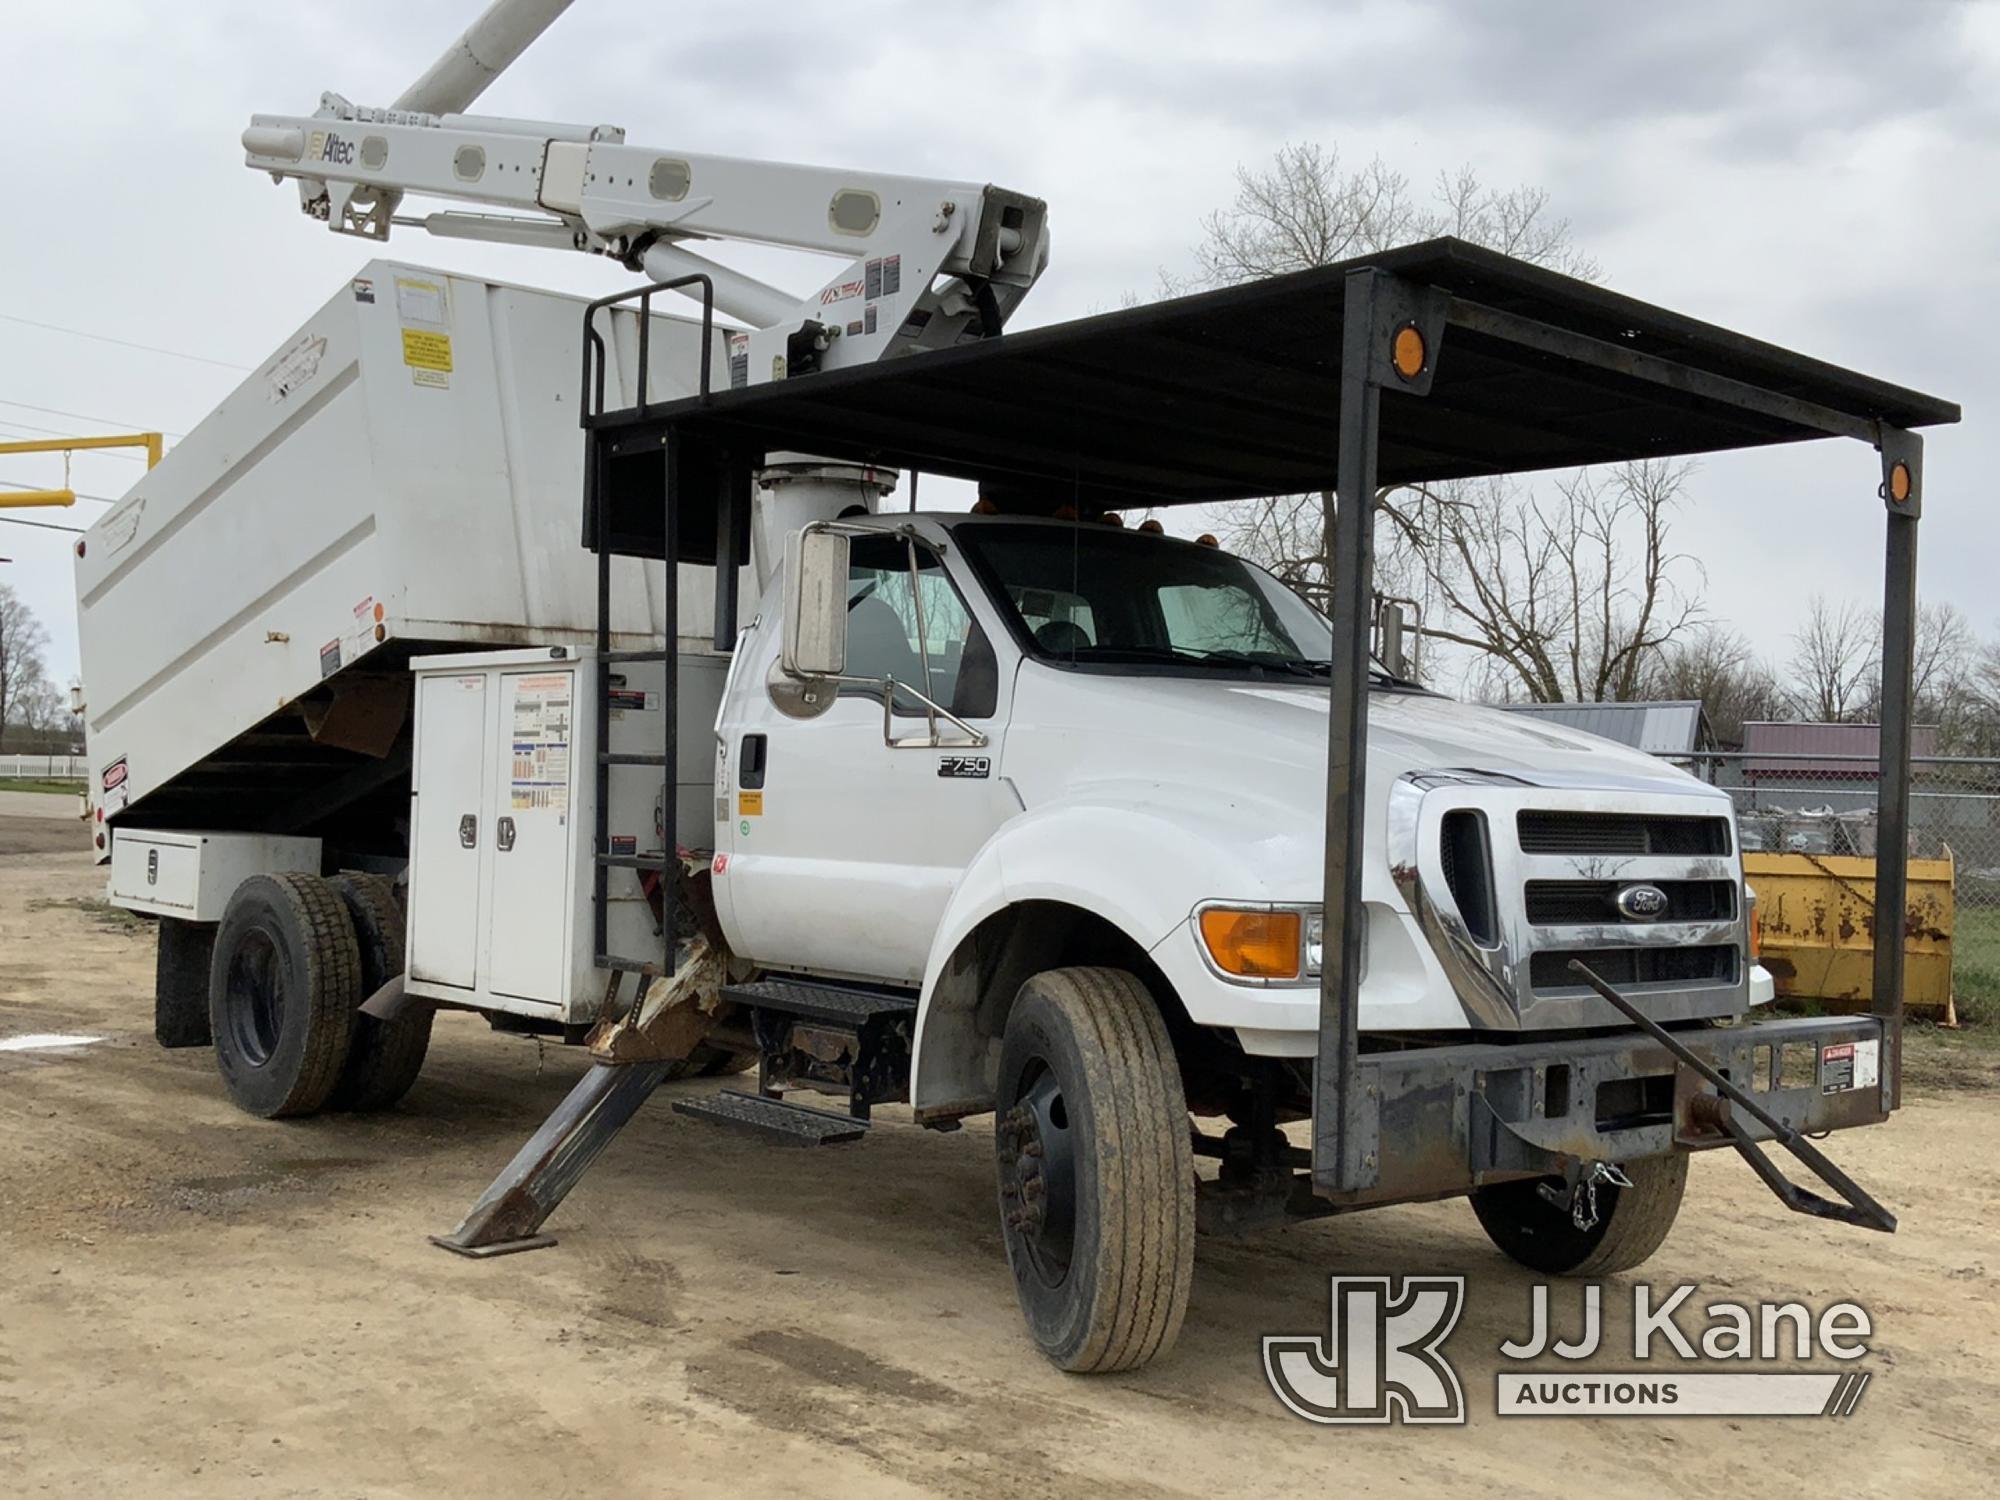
(200, 359)
(77, 416)
(42, 525)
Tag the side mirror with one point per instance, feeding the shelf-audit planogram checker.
(815, 638)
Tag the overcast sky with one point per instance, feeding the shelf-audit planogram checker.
(1821, 173)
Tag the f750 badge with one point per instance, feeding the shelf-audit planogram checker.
(974, 767)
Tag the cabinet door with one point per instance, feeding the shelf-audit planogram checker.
(533, 825)
(449, 823)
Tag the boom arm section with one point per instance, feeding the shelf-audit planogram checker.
(928, 263)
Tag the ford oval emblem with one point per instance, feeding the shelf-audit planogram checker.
(1642, 903)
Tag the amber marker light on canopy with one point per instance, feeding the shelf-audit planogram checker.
(1407, 352)
(1899, 483)
(1252, 944)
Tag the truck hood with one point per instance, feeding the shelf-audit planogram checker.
(1279, 725)
(1247, 760)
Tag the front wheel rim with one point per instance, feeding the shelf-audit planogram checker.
(1038, 1173)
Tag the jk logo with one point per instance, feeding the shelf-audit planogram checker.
(1379, 1362)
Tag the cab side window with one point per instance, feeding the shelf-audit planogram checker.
(885, 602)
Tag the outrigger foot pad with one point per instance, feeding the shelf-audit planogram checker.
(509, 1215)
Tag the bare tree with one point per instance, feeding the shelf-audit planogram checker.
(22, 641)
(1564, 597)
(1833, 664)
(1307, 209)
(1561, 597)
(1719, 667)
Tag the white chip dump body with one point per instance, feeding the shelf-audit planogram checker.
(406, 468)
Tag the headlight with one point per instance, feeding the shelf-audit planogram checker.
(1263, 944)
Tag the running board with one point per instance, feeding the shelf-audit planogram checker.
(1717, 1114)
(836, 1005)
(776, 1121)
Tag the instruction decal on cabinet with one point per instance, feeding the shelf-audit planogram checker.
(541, 739)
(424, 310)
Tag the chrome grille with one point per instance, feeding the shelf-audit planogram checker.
(1575, 903)
(1713, 963)
(1547, 831)
(1507, 910)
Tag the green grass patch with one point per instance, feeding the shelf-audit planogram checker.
(36, 784)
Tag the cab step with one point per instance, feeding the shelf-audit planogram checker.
(778, 1122)
(837, 1005)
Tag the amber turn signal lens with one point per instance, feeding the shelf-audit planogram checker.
(1407, 352)
(1253, 944)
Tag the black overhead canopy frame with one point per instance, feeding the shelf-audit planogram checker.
(1437, 361)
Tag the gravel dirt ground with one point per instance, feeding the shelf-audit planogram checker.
(196, 1303)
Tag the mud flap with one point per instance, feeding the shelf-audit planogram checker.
(180, 985)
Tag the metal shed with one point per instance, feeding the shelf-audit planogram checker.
(1667, 729)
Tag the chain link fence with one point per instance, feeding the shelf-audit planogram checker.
(1820, 805)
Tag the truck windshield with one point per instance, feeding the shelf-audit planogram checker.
(1093, 595)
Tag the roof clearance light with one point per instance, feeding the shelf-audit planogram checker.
(1407, 352)
(1253, 944)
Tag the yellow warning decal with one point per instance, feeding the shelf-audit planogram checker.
(424, 350)
(750, 804)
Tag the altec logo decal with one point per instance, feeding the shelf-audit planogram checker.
(325, 146)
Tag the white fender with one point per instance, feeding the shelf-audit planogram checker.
(1139, 864)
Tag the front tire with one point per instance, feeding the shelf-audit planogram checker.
(1096, 1170)
(1632, 1222)
(282, 990)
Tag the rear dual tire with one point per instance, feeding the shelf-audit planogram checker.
(283, 988)
(383, 1057)
(294, 957)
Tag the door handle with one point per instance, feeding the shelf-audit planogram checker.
(750, 764)
(468, 831)
(503, 834)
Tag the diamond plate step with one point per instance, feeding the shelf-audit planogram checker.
(780, 1123)
(821, 1002)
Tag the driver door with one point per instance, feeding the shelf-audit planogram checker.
(843, 852)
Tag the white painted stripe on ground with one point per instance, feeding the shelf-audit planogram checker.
(39, 1041)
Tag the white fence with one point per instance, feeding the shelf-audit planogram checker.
(45, 767)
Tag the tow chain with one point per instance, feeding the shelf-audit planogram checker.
(1580, 1197)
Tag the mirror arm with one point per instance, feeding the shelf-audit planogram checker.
(975, 739)
(923, 641)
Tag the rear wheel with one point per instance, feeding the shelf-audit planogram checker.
(384, 1058)
(1096, 1170)
(1631, 1221)
(283, 985)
